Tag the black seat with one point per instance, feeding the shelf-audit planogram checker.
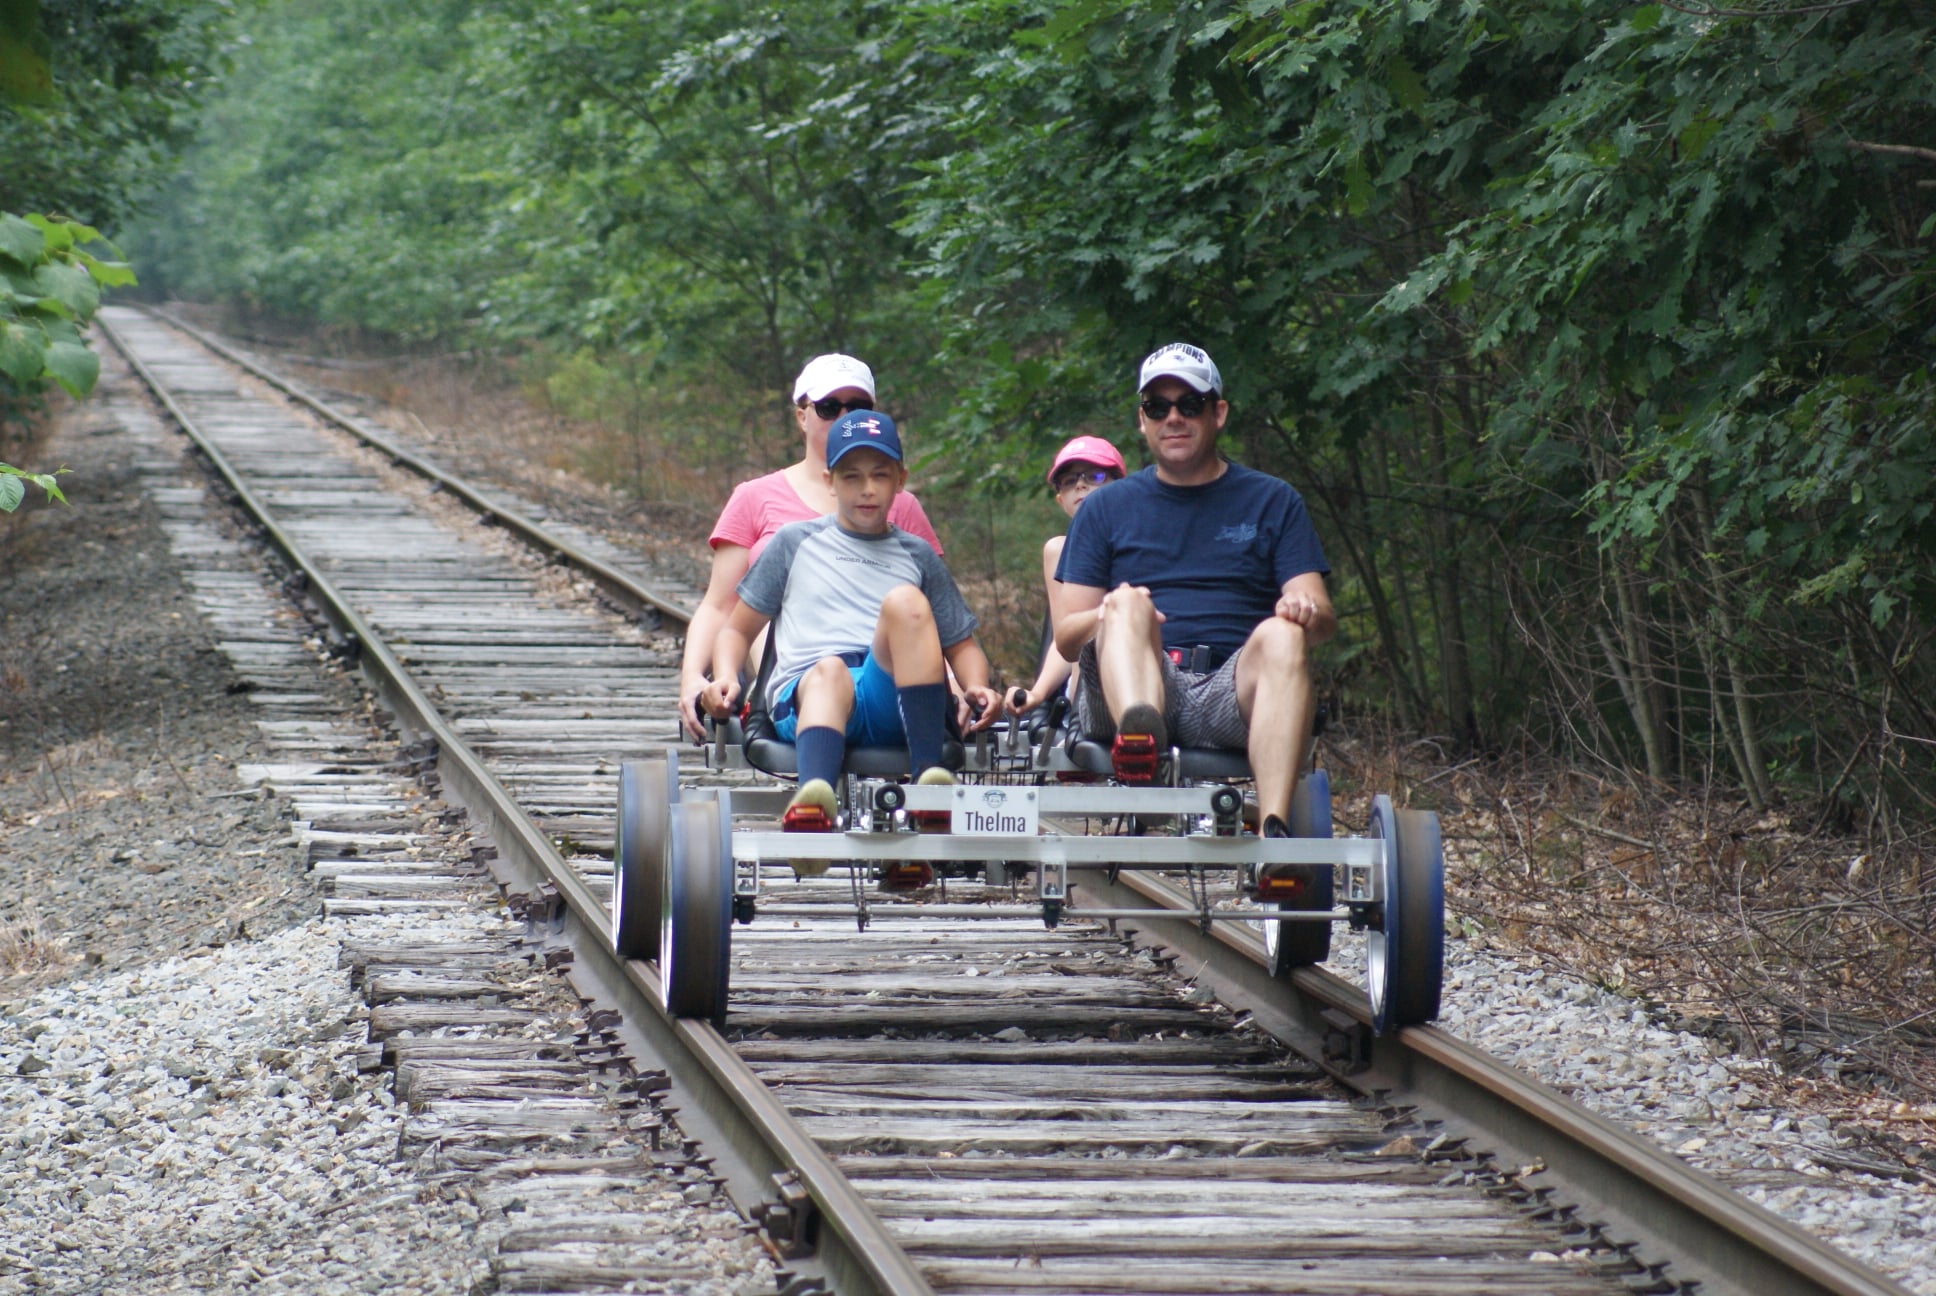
(771, 754)
(1195, 764)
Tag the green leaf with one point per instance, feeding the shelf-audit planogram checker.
(1357, 187)
(23, 351)
(20, 241)
(70, 285)
(1406, 88)
(73, 366)
(26, 65)
(12, 490)
(1695, 135)
(1645, 18)
(108, 274)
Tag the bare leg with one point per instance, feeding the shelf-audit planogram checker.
(1129, 642)
(1274, 694)
(825, 695)
(906, 644)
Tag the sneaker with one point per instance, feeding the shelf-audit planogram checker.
(1285, 884)
(933, 820)
(813, 809)
(1141, 740)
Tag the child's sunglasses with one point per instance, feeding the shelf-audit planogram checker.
(1189, 405)
(830, 409)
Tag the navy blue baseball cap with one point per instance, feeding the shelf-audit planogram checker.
(863, 428)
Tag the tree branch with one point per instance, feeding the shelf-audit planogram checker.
(1905, 150)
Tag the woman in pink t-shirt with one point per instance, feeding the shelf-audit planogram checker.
(828, 387)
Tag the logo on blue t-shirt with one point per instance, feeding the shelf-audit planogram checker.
(1241, 533)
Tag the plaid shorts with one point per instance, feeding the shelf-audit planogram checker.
(1198, 710)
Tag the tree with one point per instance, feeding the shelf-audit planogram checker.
(93, 95)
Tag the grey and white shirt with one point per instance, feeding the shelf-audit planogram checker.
(823, 587)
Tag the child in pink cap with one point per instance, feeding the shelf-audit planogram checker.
(1081, 465)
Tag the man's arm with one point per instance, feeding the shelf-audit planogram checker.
(1305, 601)
(729, 655)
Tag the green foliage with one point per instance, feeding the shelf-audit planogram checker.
(350, 171)
(1595, 334)
(13, 485)
(49, 289)
(96, 96)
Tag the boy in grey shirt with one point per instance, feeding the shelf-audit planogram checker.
(864, 617)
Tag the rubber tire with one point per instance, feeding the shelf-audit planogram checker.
(696, 927)
(1405, 955)
(647, 791)
(1289, 945)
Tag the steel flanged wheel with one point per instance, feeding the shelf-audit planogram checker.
(1405, 953)
(695, 928)
(648, 789)
(1295, 944)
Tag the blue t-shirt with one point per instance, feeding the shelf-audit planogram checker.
(1215, 557)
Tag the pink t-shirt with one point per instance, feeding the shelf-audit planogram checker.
(762, 506)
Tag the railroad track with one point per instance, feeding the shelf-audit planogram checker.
(948, 1104)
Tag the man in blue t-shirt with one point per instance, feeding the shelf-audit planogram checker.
(1194, 591)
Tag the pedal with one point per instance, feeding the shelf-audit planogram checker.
(1284, 883)
(806, 818)
(906, 876)
(1134, 757)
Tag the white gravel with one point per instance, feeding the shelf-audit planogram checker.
(1731, 1116)
(199, 1124)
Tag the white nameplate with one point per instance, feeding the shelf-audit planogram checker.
(983, 811)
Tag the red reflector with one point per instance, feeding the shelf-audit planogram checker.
(1134, 757)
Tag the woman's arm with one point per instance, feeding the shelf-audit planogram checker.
(1055, 667)
(730, 562)
(736, 635)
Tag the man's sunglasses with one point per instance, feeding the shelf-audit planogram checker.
(830, 409)
(1094, 476)
(1189, 405)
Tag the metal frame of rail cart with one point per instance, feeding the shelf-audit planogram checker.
(683, 873)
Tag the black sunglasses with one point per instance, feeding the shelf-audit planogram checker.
(1189, 405)
(830, 409)
(1094, 476)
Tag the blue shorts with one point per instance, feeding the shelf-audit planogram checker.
(876, 720)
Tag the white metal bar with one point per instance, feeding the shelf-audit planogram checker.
(1077, 852)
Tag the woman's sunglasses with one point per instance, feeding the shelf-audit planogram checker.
(1094, 476)
(1189, 405)
(830, 409)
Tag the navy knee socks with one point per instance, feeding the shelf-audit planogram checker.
(924, 714)
(820, 752)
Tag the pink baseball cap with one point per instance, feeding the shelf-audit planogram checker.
(1087, 449)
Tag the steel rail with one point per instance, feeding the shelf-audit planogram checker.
(612, 580)
(1627, 1184)
(727, 1110)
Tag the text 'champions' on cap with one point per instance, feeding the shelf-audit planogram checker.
(1180, 360)
(863, 430)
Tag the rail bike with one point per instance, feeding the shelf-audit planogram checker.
(687, 862)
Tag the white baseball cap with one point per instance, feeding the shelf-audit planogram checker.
(826, 374)
(1192, 365)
